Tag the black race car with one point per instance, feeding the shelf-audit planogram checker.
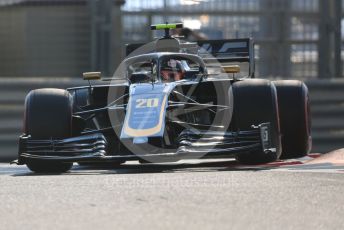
(169, 101)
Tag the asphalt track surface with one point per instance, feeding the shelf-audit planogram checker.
(190, 195)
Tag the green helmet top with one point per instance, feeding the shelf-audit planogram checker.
(166, 26)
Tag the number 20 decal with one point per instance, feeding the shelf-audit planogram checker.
(147, 103)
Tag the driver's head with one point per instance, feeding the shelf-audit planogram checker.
(172, 71)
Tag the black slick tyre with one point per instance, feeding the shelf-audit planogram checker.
(255, 102)
(48, 115)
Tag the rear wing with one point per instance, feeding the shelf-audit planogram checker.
(229, 50)
(223, 51)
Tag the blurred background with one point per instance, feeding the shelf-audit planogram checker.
(49, 43)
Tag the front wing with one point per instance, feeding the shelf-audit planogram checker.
(92, 148)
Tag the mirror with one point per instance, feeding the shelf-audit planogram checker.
(232, 69)
(92, 75)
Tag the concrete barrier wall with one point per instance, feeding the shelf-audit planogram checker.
(327, 105)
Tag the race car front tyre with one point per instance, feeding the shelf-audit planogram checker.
(101, 165)
(48, 115)
(42, 166)
(255, 102)
(295, 119)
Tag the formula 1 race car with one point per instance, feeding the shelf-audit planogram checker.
(174, 100)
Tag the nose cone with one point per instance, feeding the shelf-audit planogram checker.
(146, 110)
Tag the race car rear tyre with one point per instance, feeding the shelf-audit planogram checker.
(48, 115)
(255, 102)
(295, 120)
